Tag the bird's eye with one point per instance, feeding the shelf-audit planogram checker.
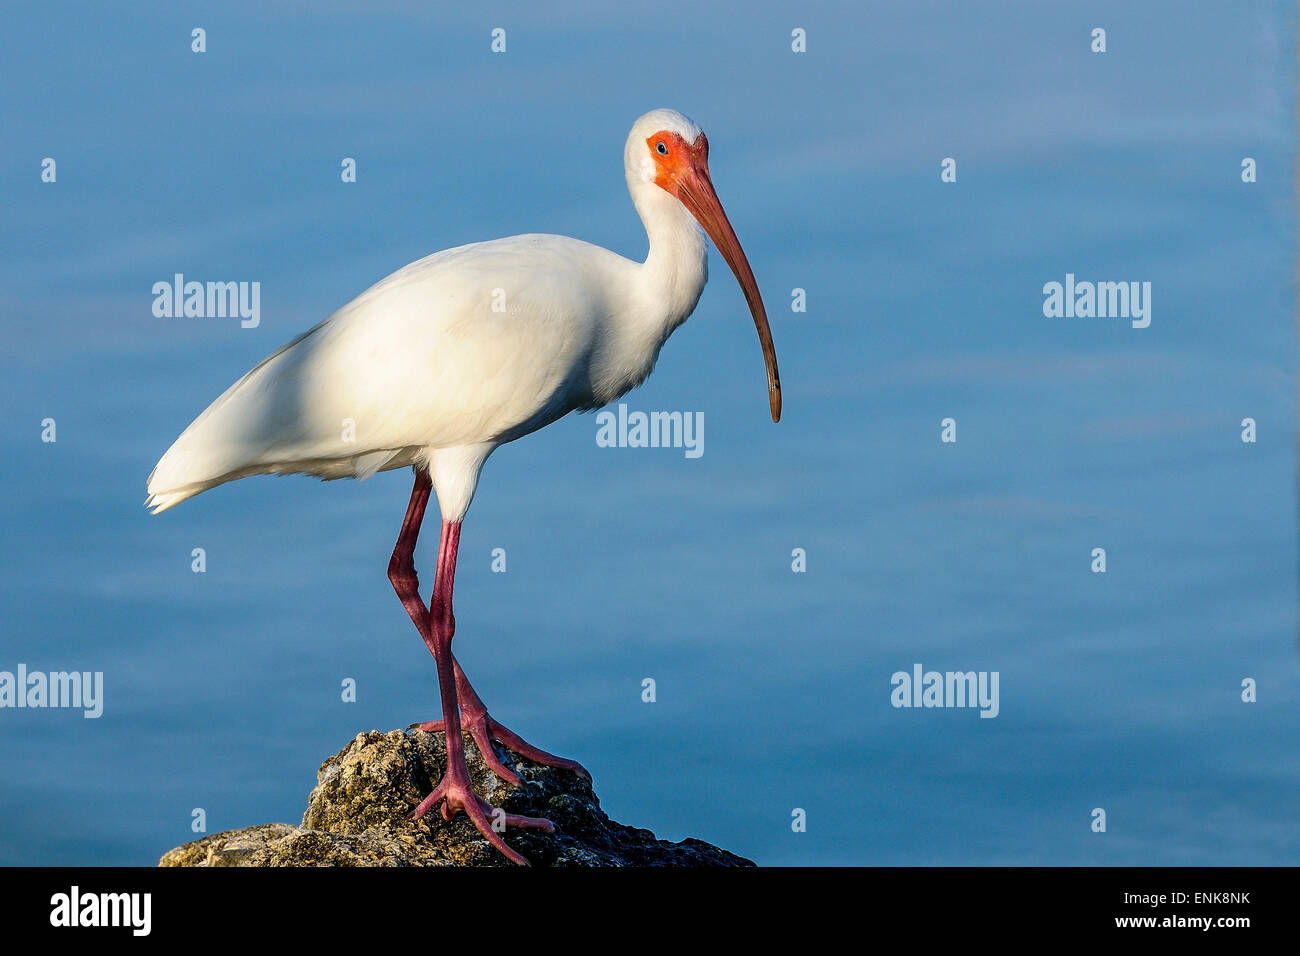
(661, 148)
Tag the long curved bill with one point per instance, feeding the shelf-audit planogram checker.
(695, 190)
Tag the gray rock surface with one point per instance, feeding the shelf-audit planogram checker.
(358, 816)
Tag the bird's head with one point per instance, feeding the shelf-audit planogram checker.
(667, 149)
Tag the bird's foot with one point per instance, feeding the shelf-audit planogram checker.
(455, 792)
(483, 729)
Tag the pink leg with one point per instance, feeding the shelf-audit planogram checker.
(401, 567)
(439, 627)
(480, 724)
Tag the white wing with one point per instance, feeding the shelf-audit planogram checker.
(481, 343)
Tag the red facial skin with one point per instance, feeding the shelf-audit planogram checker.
(683, 171)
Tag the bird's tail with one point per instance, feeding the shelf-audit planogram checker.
(162, 500)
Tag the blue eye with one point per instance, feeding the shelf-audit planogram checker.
(662, 149)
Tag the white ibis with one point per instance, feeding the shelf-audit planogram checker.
(449, 358)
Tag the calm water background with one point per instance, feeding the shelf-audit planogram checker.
(924, 301)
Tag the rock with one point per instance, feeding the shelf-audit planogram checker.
(358, 816)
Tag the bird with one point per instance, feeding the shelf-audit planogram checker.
(454, 355)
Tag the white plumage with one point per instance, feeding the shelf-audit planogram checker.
(448, 358)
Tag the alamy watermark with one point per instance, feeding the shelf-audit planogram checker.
(922, 688)
(74, 908)
(208, 300)
(82, 690)
(651, 430)
(1102, 300)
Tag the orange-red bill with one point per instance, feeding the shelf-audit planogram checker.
(695, 190)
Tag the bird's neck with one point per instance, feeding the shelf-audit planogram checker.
(660, 297)
(676, 267)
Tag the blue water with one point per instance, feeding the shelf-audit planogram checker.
(1119, 691)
